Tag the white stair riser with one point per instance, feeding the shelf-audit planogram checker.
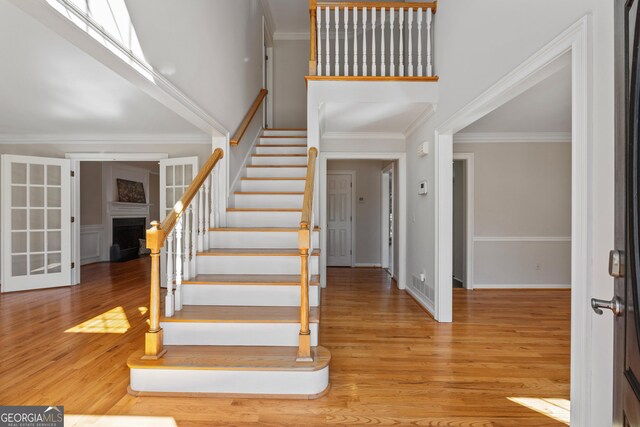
(258, 239)
(271, 185)
(293, 201)
(247, 295)
(281, 150)
(230, 381)
(292, 132)
(253, 264)
(283, 141)
(278, 160)
(276, 172)
(263, 219)
(253, 334)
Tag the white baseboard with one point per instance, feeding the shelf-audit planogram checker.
(367, 264)
(420, 299)
(522, 286)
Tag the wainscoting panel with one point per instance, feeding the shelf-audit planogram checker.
(522, 262)
(91, 244)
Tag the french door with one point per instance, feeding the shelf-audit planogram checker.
(36, 223)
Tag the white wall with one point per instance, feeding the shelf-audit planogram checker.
(368, 210)
(291, 65)
(522, 213)
(477, 43)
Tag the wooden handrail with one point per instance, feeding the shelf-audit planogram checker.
(304, 244)
(386, 4)
(248, 118)
(156, 237)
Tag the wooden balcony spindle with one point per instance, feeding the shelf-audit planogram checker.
(410, 42)
(429, 61)
(401, 35)
(313, 59)
(419, 41)
(318, 42)
(392, 66)
(337, 42)
(153, 337)
(346, 41)
(383, 65)
(374, 62)
(364, 41)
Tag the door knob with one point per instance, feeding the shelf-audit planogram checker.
(614, 305)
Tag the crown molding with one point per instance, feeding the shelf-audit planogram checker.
(363, 135)
(105, 139)
(511, 137)
(423, 117)
(291, 36)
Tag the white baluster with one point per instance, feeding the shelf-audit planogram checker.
(373, 42)
(207, 213)
(383, 65)
(364, 41)
(179, 263)
(200, 219)
(401, 35)
(392, 66)
(355, 41)
(327, 67)
(194, 235)
(169, 301)
(187, 245)
(337, 52)
(429, 64)
(319, 39)
(420, 42)
(410, 47)
(214, 197)
(346, 41)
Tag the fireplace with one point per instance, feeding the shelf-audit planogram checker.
(126, 233)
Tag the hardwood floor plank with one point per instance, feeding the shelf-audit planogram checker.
(391, 364)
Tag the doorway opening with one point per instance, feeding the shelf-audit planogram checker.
(388, 218)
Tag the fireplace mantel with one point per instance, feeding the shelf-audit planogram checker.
(125, 210)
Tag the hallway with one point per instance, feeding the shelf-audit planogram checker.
(391, 363)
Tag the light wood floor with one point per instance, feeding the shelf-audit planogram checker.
(391, 363)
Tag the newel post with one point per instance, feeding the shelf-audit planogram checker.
(153, 338)
(313, 68)
(304, 344)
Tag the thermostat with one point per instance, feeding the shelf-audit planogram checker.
(423, 188)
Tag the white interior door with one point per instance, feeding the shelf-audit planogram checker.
(339, 220)
(175, 177)
(36, 223)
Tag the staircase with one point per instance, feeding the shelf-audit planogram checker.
(237, 332)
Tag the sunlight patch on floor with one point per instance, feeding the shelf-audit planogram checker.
(113, 321)
(558, 409)
(117, 421)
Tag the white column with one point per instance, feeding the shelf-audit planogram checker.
(364, 41)
(429, 61)
(401, 35)
(383, 64)
(355, 41)
(392, 66)
(410, 46)
(169, 301)
(179, 263)
(327, 66)
(319, 39)
(419, 41)
(374, 65)
(346, 41)
(337, 52)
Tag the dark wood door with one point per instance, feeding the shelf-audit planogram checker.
(625, 261)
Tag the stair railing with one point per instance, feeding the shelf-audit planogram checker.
(400, 39)
(305, 244)
(178, 229)
(235, 140)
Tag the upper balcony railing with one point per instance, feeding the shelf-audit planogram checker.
(371, 39)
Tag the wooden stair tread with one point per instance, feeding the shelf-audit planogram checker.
(240, 314)
(280, 145)
(285, 136)
(263, 210)
(250, 358)
(254, 252)
(250, 279)
(270, 193)
(279, 155)
(276, 166)
(261, 229)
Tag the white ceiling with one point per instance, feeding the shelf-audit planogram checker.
(292, 16)
(50, 87)
(546, 107)
(387, 118)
